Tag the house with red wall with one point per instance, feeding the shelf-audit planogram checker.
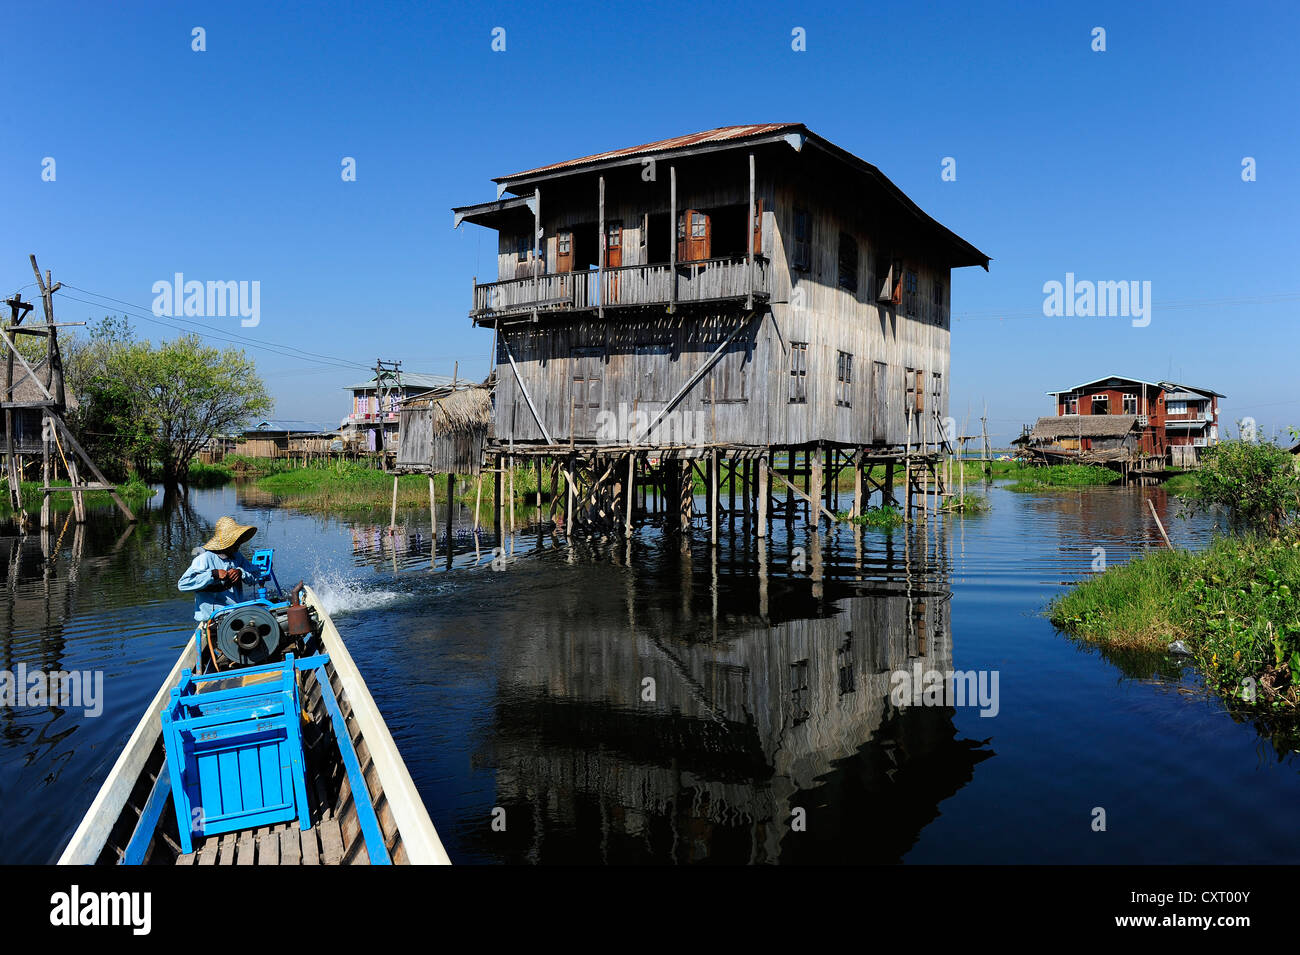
(1174, 422)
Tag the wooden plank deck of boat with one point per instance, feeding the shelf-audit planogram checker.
(282, 844)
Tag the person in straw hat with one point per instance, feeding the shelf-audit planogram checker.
(217, 574)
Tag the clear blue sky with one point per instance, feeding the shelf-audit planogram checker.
(226, 164)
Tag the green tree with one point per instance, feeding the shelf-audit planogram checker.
(1255, 481)
(150, 406)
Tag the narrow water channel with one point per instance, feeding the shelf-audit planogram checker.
(661, 702)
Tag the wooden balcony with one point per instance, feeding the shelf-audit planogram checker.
(629, 286)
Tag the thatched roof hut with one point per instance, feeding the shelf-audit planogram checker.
(1064, 427)
(445, 435)
(1089, 439)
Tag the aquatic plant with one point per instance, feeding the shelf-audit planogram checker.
(1063, 475)
(886, 516)
(1233, 606)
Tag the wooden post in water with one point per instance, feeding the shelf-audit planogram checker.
(814, 486)
(631, 489)
(512, 504)
(392, 517)
(713, 495)
(1168, 543)
(497, 477)
(731, 491)
(478, 499)
(762, 496)
(46, 474)
(451, 512)
(433, 526)
(789, 490)
(685, 493)
(858, 509)
(571, 496)
(78, 499)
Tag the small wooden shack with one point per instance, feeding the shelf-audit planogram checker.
(1084, 439)
(445, 435)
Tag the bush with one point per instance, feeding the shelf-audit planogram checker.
(1256, 482)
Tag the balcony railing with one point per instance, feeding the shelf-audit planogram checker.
(707, 280)
(1186, 420)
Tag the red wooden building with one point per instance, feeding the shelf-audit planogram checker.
(1175, 422)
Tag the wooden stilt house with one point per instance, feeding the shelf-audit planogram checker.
(726, 294)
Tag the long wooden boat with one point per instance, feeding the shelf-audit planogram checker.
(132, 819)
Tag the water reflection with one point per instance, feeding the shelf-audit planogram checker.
(519, 681)
(740, 713)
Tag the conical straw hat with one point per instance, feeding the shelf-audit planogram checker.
(229, 533)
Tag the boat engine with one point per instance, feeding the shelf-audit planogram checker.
(261, 630)
(249, 635)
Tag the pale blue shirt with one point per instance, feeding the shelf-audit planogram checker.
(199, 576)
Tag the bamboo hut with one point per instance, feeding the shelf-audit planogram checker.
(445, 435)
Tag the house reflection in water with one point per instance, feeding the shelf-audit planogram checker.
(771, 695)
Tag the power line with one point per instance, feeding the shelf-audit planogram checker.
(284, 351)
(251, 341)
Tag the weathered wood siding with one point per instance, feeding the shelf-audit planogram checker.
(451, 452)
(640, 360)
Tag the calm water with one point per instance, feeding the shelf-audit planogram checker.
(526, 688)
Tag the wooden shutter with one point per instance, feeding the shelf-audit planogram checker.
(564, 251)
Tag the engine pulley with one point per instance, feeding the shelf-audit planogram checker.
(248, 635)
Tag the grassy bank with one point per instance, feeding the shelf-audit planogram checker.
(347, 486)
(1182, 485)
(134, 492)
(1233, 605)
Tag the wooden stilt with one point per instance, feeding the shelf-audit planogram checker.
(762, 496)
(451, 514)
(815, 484)
(498, 476)
(731, 490)
(630, 491)
(392, 516)
(713, 496)
(858, 507)
(685, 493)
(478, 499)
(568, 510)
(433, 526)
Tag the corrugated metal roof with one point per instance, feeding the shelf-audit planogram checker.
(289, 425)
(721, 134)
(1163, 385)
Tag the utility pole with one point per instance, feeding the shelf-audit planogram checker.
(388, 379)
(18, 310)
(984, 435)
(51, 405)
